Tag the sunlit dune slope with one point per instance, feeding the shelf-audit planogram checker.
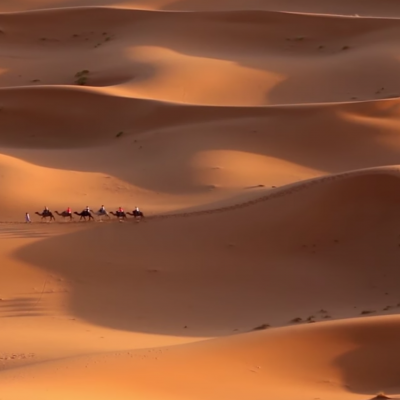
(330, 360)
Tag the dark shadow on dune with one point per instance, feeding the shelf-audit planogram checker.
(373, 366)
(229, 271)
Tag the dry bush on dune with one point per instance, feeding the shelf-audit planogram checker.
(381, 395)
(81, 77)
(261, 327)
(367, 312)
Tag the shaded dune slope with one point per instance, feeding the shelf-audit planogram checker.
(263, 255)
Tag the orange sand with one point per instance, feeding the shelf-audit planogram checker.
(260, 138)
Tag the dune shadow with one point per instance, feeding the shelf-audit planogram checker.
(120, 281)
(373, 366)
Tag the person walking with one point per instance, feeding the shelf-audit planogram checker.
(27, 218)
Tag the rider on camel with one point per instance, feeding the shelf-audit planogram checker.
(87, 209)
(120, 210)
(69, 211)
(46, 210)
(102, 210)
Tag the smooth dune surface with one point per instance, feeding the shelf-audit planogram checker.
(261, 140)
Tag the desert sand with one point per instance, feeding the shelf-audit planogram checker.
(261, 140)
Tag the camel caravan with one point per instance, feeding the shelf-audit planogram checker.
(87, 214)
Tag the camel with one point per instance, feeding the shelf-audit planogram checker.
(136, 214)
(119, 214)
(102, 213)
(46, 214)
(65, 214)
(84, 214)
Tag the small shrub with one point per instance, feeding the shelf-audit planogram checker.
(367, 312)
(261, 327)
(345, 47)
(81, 73)
(296, 320)
(381, 395)
(81, 77)
(119, 134)
(81, 81)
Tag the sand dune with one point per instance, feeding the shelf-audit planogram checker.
(318, 360)
(332, 218)
(386, 8)
(260, 138)
(252, 57)
(236, 151)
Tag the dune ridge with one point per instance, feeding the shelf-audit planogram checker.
(275, 192)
